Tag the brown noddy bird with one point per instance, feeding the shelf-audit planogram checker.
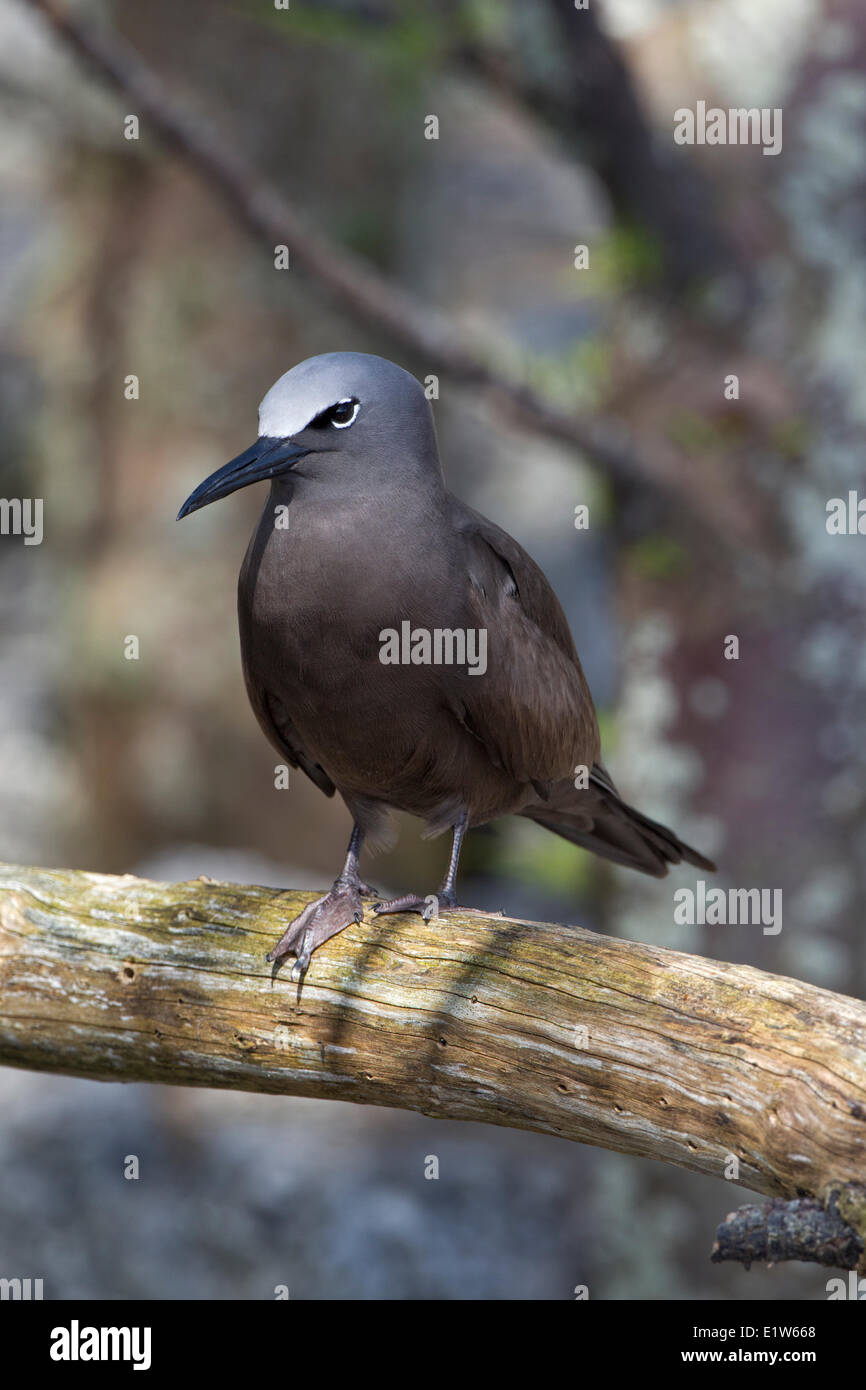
(402, 649)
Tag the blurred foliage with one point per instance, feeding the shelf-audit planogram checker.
(401, 40)
(657, 557)
(530, 855)
(629, 258)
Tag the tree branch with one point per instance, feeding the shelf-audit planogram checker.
(804, 1229)
(644, 174)
(372, 298)
(554, 1029)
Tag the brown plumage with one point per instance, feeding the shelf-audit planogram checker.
(359, 537)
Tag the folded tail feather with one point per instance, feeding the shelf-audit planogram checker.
(597, 819)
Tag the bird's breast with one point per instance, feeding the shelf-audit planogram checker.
(350, 630)
(332, 583)
(319, 609)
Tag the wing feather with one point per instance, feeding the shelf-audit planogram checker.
(532, 708)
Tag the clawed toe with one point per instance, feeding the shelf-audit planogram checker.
(431, 906)
(319, 921)
(337, 910)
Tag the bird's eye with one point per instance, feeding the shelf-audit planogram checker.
(343, 413)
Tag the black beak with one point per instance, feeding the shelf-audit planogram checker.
(265, 459)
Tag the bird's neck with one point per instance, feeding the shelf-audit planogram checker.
(409, 497)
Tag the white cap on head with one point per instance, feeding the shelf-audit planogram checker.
(321, 382)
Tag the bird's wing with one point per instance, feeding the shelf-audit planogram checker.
(531, 708)
(275, 722)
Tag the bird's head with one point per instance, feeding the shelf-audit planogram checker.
(347, 418)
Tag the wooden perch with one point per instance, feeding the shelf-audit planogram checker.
(548, 1028)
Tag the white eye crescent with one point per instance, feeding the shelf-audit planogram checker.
(344, 413)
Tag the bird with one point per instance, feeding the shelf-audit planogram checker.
(404, 651)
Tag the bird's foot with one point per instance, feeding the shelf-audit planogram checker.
(431, 906)
(319, 920)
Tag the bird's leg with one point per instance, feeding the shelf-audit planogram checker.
(326, 916)
(350, 877)
(435, 903)
(447, 892)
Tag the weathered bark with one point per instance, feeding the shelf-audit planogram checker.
(804, 1229)
(540, 1027)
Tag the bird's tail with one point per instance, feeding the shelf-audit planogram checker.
(598, 819)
